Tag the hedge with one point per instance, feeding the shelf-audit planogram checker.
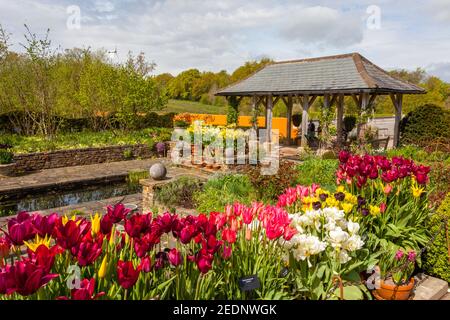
(436, 260)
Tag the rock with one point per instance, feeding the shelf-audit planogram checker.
(158, 171)
(429, 288)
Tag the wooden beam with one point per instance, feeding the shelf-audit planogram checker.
(340, 120)
(305, 106)
(356, 100)
(397, 100)
(275, 101)
(289, 105)
(269, 116)
(372, 99)
(311, 101)
(333, 99)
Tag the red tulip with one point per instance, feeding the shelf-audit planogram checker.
(421, 178)
(127, 275)
(138, 224)
(4, 249)
(117, 213)
(165, 222)
(383, 207)
(45, 225)
(6, 281)
(20, 229)
(226, 253)
(186, 234)
(146, 264)
(344, 156)
(68, 235)
(175, 257)
(289, 232)
(248, 215)
(88, 250)
(204, 262)
(29, 277)
(106, 224)
(44, 257)
(229, 235)
(85, 292)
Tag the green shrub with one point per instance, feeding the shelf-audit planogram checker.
(439, 182)
(178, 193)
(223, 190)
(425, 124)
(319, 171)
(6, 156)
(134, 177)
(436, 259)
(128, 154)
(269, 187)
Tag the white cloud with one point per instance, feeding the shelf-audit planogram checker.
(222, 34)
(440, 69)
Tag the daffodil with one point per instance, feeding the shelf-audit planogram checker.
(103, 267)
(95, 223)
(34, 244)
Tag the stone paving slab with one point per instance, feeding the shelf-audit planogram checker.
(71, 175)
(430, 288)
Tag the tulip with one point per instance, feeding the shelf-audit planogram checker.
(412, 256)
(117, 213)
(103, 268)
(226, 253)
(29, 277)
(4, 249)
(204, 263)
(20, 229)
(45, 225)
(161, 258)
(6, 280)
(68, 235)
(88, 250)
(175, 257)
(95, 224)
(383, 207)
(289, 233)
(229, 235)
(127, 275)
(85, 292)
(106, 224)
(137, 225)
(146, 264)
(387, 189)
(165, 222)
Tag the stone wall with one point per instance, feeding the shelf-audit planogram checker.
(78, 157)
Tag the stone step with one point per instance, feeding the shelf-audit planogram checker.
(429, 288)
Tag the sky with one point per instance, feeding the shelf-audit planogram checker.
(214, 35)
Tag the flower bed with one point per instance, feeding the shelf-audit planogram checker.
(300, 248)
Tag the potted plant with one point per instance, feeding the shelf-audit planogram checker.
(6, 163)
(396, 281)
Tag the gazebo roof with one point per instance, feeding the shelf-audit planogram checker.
(347, 73)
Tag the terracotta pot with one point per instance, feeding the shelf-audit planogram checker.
(390, 291)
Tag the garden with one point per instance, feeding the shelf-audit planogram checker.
(309, 241)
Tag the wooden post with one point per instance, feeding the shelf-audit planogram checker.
(254, 113)
(340, 120)
(289, 119)
(326, 105)
(397, 100)
(305, 107)
(269, 115)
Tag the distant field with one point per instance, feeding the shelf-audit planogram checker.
(180, 106)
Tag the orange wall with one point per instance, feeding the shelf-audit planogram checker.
(245, 121)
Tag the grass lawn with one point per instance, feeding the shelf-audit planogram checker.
(180, 106)
(24, 144)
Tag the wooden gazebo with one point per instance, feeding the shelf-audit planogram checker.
(332, 78)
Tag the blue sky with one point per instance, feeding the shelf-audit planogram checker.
(223, 34)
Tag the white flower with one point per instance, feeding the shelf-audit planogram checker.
(330, 225)
(337, 237)
(344, 257)
(353, 243)
(334, 213)
(352, 227)
(308, 246)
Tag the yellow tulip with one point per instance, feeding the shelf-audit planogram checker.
(375, 210)
(347, 207)
(416, 191)
(34, 244)
(95, 224)
(102, 270)
(113, 234)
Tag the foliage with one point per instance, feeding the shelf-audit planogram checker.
(178, 193)
(268, 187)
(6, 156)
(436, 260)
(223, 190)
(439, 182)
(425, 124)
(30, 144)
(134, 177)
(233, 114)
(318, 171)
(41, 87)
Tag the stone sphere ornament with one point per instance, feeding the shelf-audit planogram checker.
(158, 171)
